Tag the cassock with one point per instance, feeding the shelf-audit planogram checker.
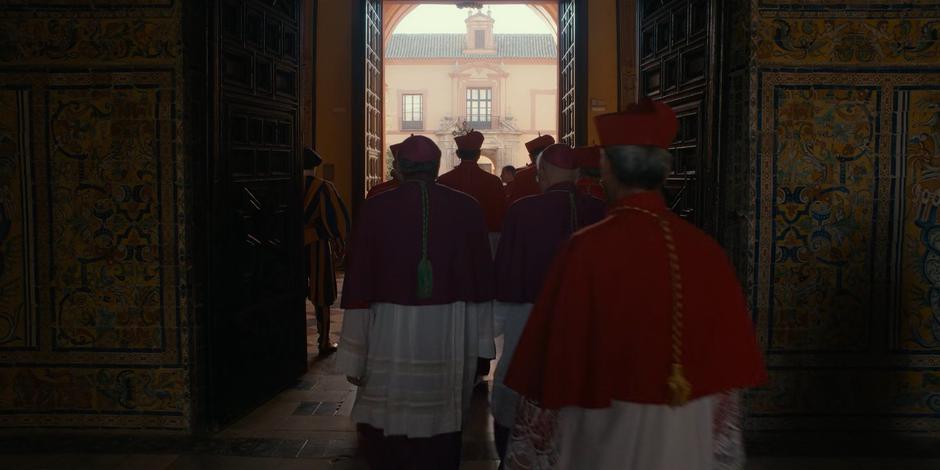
(483, 186)
(381, 188)
(637, 340)
(524, 184)
(534, 230)
(418, 297)
(326, 222)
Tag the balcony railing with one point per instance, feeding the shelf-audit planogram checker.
(492, 123)
(412, 125)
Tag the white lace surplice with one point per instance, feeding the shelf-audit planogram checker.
(417, 364)
(702, 435)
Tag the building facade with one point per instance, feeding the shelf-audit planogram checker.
(503, 85)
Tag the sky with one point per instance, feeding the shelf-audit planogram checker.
(450, 19)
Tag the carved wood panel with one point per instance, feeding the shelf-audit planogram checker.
(572, 72)
(257, 324)
(368, 120)
(675, 62)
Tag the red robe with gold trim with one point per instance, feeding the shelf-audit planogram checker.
(600, 330)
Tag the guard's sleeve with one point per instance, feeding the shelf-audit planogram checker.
(334, 217)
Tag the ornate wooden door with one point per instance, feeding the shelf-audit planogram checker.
(367, 134)
(676, 55)
(572, 72)
(256, 324)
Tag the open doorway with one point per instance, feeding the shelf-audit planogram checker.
(449, 69)
(477, 82)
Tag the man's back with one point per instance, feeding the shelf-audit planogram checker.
(416, 353)
(486, 188)
(641, 331)
(525, 184)
(381, 188)
(388, 249)
(617, 273)
(612, 300)
(535, 228)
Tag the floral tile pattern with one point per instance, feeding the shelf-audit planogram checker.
(93, 318)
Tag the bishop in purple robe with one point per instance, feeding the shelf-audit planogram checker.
(534, 230)
(418, 297)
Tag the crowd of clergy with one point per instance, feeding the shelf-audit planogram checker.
(625, 336)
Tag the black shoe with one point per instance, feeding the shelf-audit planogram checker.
(327, 349)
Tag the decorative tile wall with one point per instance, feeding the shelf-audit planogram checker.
(93, 324)
(845, 113)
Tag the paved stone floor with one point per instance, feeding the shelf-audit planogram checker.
(307, 427)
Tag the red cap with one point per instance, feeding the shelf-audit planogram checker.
(560, 155)
(418, 148)
(539, 143)
(394, 148)
(588, 157)
(648, 123)
(471, 141)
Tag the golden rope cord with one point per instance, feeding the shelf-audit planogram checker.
(679, 387)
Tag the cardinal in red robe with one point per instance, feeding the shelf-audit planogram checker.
(524, 184)
(485, 187)
(589, 165)
(418, 314)
(641, 334)
(534, 230)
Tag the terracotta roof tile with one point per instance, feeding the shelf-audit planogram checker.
(438, 46)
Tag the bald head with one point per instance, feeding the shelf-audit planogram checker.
(550, 175)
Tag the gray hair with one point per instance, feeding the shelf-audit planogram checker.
(639, 166)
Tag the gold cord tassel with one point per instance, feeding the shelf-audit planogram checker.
(679, 387)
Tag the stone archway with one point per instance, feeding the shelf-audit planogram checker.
(396, 10)
(487, 164)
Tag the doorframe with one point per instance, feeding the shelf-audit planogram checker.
(581, 75)
(710, 191)
(582, 72)
(357, 104)
(708, 176)
(315, 20)
(201, 69)
(209, 221)
(357, 107)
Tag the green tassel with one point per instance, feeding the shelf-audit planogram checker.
(425, 272)
(425, 279)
